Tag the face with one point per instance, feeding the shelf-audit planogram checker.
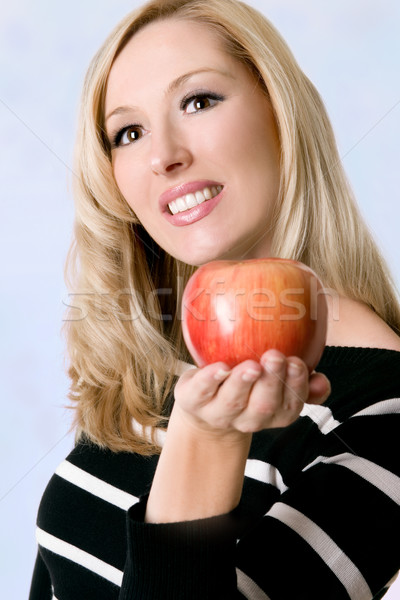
(195, 149)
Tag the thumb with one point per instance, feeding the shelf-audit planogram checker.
(319, 388)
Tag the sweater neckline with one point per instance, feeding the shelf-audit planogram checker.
(336, 355)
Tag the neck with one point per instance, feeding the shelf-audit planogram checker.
(353, 323)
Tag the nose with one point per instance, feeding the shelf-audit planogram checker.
(169, 152)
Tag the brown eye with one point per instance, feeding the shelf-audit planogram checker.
(129, 135)
(200, 102)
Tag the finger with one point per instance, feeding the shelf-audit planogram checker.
(267, 394)
(319, 388)
(233, 394)
(274, 363)
(278, 397)
(198, 386)
(296, 385)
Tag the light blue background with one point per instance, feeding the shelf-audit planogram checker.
(351, 51)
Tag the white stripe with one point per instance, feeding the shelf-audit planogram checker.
(95, 486)
(262, 471)
(392, 580)
(78, 556)
(339, 563)
(145, 432)
(386, 481)
(249, 588)
(322, 416)
(384, 407)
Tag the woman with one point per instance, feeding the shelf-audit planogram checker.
(254, 494)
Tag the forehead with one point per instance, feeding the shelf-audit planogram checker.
(172, 36)
(162, 51)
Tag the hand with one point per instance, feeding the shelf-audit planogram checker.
(250, 397)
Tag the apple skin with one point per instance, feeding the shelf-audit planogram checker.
(236, 310)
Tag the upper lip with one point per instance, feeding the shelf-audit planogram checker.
(183, 189)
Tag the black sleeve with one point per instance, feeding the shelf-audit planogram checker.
(180, 561)
(41, 585)
(333, 534)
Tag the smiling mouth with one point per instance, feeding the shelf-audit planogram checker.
(189, 201)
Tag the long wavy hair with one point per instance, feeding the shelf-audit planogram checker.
(122, 328)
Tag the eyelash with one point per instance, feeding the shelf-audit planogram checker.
(201, 96)
(116, 138)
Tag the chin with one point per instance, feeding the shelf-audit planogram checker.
(199, 259)
(197, 256)
(197, 262)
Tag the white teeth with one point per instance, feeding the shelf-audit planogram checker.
(191, 200)
(207, 193)
(181, 204)
(173, 207)
(199, 197)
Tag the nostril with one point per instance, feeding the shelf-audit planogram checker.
(172, 167)
(169, 159)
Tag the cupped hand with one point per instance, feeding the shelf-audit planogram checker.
(250, 397)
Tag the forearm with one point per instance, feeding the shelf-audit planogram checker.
(201, 468)
(199, 474)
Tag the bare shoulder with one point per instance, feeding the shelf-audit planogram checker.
(352, 323)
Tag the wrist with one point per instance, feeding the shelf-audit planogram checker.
(200, 472)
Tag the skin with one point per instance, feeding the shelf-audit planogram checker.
(201, 468)
(181, 146)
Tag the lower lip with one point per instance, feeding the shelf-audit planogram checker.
(194, 214)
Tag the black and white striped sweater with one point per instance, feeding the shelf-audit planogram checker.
(319, 516)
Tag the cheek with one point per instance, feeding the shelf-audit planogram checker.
(120, 175)
(262, 138)
(128, 179)
(240, 143)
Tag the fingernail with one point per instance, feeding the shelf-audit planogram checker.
(273, 363)
(294, 370)
(250, 375)
(221, 374)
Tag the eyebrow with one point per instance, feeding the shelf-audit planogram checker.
(172, 87)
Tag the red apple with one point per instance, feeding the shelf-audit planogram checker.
(233, 311)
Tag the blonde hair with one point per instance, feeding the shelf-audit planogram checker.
(123, 329)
